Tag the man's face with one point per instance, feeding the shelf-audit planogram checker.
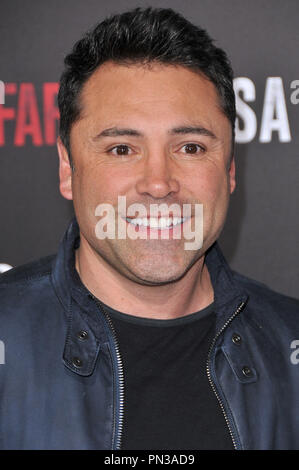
(139, 136)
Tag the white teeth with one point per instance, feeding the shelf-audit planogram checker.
(162, 222)
(153, 223)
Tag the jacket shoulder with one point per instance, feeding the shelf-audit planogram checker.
(27, 295)
(264, 292)
(268, 307)
(27, 272)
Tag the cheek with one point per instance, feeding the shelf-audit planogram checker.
(213, 193)
(86, 193)
(94, 186)
(210, 187)
(219, 192)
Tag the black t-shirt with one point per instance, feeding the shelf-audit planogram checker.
(169, 402)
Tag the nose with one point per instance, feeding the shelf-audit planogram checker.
(157, 179)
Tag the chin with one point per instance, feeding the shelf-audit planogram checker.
(156, 275)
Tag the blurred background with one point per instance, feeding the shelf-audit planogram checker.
(261, 37)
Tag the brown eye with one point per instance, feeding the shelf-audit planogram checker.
(192, 148)
(120, 150)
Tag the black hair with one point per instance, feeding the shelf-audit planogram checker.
(143, 35)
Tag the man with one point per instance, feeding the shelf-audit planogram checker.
(129, 339)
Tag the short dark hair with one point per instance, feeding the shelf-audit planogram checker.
(143, 35)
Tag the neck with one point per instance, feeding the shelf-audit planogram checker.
(189, 294)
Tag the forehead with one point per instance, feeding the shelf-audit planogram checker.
(152, 93)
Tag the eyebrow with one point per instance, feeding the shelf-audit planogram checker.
(192, 130)
(117, 131)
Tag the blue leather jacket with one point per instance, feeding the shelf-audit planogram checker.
(62, 383)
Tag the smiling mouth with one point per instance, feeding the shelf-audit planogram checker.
(158, 223)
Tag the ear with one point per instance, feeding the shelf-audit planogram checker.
(232, 175)
(65, 171)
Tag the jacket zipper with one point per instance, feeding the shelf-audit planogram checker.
(209, 372)
(120, 377)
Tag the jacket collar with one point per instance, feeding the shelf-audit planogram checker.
(80, 354)
(228, 294)
(83, 315)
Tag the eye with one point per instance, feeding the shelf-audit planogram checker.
(120, 150)
(192, 148)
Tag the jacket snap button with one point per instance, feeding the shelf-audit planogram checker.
(247, 371)
(77, 362)
(82, 335)
(236, 339)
